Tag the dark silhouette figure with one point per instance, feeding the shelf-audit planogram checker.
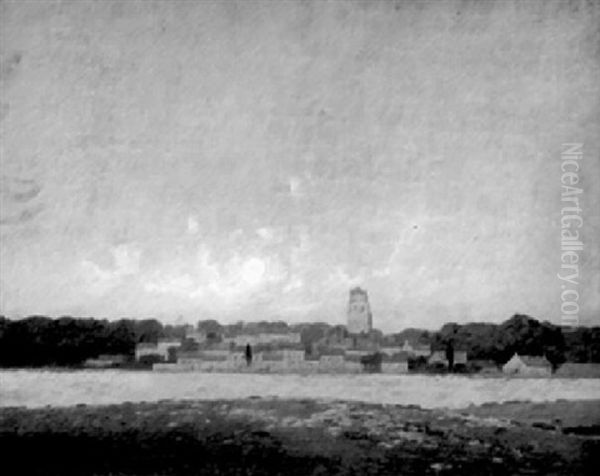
(450, 355)
(248, 355)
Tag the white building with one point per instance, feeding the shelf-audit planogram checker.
(197, 336)
(394, 364)
(527, 366)
(389, 351)
(161, 348)
(230, 360)
(418, 350)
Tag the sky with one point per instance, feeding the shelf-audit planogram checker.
(255, 160)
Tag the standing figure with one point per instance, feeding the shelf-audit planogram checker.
(248, 355)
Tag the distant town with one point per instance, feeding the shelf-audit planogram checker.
(520, 346)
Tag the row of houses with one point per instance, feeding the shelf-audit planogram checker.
(283, 352)
(273, 352)
(285, 357)
(281, 360)
(540, 366)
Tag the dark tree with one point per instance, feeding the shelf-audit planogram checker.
(148, 330)
(372, 362)
(210, 326)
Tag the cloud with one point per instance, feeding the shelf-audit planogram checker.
(382, 272)
(222, 285)
(295, 187)
(293, 284)
(266, 234)
(126, 263)
(127, 259)
(341, 279)
(193, 227)
(97, 280)
(182, 285)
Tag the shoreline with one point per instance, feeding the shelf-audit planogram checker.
(134, 370)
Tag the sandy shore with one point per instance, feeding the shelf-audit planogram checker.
(301, 437)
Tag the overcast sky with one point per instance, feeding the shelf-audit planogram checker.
(254, 160)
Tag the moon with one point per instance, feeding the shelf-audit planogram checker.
(253, 271)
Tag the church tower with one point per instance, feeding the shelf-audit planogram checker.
(360, 319)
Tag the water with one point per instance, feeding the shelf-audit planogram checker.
(35, 388)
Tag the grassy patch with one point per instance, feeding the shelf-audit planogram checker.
(286, 437)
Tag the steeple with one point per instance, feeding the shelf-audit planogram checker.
(360, 319)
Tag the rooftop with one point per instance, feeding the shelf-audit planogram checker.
(534, 361)
(146, 345)
(398, 357)
(395, 358)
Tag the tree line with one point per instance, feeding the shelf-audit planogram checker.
(523, 335)
(41, 341)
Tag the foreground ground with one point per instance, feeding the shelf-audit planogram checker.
(301, 437)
